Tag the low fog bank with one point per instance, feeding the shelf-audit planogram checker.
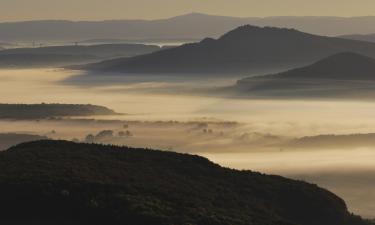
(326, 159)
(8, 140)
(295, 138)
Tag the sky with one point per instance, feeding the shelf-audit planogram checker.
(19, 10)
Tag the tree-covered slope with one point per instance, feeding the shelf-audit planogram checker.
(58, 182)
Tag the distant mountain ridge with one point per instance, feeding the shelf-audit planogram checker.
(244, 49)
(179, 27)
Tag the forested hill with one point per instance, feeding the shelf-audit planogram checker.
(58, 182)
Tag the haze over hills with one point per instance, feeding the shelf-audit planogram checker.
(360, 37)
(179, 27)
(65, 55)
(244, 49)
(8, 140)
(56, 181)
(347, 141)
(102, 51)
(341, 75)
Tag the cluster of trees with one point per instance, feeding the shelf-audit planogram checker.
(106, 135)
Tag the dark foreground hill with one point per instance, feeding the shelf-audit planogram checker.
(341, 75)
(58, 182)
(40, 111)
(244, 49)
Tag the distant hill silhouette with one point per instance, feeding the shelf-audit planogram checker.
(360, 37)
(347, 141)
(43, 60)
(342, 66)
(341, 75)
(179, 27)
(100, 51)
(65, 55)
(243, 49)
(40, 111)
(58, 182)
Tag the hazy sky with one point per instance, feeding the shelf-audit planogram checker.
(11, 10)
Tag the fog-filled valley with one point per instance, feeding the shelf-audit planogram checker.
(198, 119)
(325, 141)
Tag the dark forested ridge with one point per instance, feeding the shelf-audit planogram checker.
(39, 111)
(244, 49)
(58, 182)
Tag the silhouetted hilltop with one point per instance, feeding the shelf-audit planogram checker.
(243, 49)
(342, 66)
(39, 111)
(56, 181)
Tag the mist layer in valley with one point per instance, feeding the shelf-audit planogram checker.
(312, 140)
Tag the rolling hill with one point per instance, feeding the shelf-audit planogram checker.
(341, 75)
(61, 182)
(341, 66)
(244, 49)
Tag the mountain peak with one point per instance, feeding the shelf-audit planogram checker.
(248, 30)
